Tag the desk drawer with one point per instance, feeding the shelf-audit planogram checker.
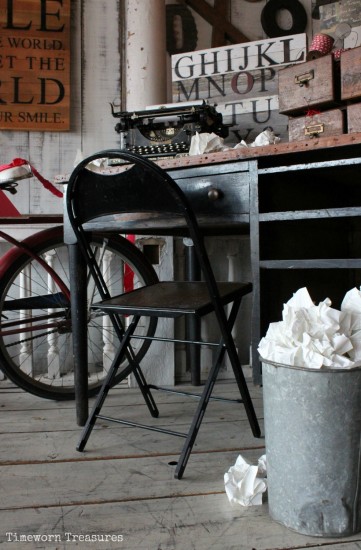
(219, 195)
(354, 118)
(220, 200)
(314, 84)
(351, 74)
(328, 123)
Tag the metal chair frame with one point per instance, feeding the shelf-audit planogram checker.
(144, 199)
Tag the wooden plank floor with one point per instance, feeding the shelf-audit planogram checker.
(123, 487)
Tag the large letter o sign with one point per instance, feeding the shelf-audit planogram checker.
(269, 17)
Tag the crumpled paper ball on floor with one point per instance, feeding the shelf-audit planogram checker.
(245, 483)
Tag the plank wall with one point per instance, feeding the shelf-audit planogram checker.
(95, 83)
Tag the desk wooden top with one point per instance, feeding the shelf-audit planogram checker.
(322, 145)
(288, 152)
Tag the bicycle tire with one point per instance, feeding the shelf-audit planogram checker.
(24, 356)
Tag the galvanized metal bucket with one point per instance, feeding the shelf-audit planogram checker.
(313, 448)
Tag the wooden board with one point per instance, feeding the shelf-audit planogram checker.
(354, 118)
(242, 79)
(193, 522)
(35, 63)
(350, 74)
(95, 30)
(267, 151)
(332, 14)
(52, 492)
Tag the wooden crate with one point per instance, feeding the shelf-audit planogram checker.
(351, 74)
(353, 118)
(327, 123)
(314, 84)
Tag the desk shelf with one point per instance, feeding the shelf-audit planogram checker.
(332, 263)
(305, 221)
(293, 215)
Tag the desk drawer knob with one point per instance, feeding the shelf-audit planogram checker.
(214, 194)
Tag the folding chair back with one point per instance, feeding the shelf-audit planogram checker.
(134, 195)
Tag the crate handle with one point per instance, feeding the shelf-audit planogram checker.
(303, 79)
(314, 130)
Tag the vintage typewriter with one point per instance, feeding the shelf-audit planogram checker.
(167, 130)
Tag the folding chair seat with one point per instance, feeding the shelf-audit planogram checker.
(137, 196)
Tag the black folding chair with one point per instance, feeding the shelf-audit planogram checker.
(137, 196)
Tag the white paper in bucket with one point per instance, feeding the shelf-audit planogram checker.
(314, 336)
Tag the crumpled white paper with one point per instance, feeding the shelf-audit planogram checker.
(315, 336)
(267, 137)
(245, 483)
(211, 143)
(205, 143)
(351, 304)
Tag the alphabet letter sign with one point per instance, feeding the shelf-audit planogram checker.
(242, 79)
(34, 65)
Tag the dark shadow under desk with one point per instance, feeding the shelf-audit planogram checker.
(300, 202)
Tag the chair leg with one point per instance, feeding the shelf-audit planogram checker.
(211, 380)
(137, 371)
(237, 370)
(144, 388)
(243, 388)
(199, 414)
(107, 384)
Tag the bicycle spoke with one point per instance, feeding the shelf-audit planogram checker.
(35, 331)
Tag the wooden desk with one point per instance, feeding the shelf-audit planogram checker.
(302, 205)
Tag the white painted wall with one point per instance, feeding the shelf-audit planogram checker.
(95, 83)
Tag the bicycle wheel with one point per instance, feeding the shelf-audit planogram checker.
(35, 331)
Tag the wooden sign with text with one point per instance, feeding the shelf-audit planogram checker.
(242, 80)
(35, 65)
